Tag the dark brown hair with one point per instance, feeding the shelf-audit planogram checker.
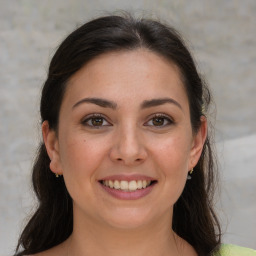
(194, 218)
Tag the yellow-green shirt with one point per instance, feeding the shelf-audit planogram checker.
(234, 250)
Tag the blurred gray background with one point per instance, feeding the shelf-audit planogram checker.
(222, 37)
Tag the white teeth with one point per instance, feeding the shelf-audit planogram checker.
(127, 185)
(124, 185)
(133, 185)
(116, 184)
(139, 184)
(111, 183)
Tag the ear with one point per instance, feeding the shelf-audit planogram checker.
(52, 146)
(198, 143)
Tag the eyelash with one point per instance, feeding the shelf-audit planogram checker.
(95, 116)
(167, 121)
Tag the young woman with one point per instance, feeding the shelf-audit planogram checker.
(126, 166)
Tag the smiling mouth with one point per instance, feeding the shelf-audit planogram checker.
(127, 186)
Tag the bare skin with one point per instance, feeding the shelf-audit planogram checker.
(130, 137)
(182, 248)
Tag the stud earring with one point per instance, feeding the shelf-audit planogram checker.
(57, 175)
(189, 174)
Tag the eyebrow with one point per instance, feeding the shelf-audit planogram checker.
(97, 101)
(158, 102)
(110, 104)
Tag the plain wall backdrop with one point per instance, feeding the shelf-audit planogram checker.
(221, 35)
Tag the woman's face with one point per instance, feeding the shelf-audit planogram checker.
(125, 122)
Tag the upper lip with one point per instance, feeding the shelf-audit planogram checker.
(126, 177)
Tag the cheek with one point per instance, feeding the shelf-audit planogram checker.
(172, 160)
(174, 153)
(81, 155)
(80, 160)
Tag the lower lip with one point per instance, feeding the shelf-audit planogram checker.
(126, 195)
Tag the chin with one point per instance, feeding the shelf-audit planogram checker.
(128, 218)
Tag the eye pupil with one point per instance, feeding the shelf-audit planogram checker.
(158, 121)
(97, 121)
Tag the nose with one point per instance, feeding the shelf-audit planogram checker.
(128, 147)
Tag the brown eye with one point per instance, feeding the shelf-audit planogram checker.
(158, 121)
(97, 121)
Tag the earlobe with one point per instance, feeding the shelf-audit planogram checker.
(198, 143)
(52, 147)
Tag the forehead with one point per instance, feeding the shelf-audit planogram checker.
(127, 76)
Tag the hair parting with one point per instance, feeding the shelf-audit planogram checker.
(194, 218)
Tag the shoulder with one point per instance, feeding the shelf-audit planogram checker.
(234, 250)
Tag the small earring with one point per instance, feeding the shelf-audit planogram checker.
(57, 175)
(189, 174)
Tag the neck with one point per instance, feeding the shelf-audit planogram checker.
(91, 238)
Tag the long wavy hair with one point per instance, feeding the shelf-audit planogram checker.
(193, 217)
